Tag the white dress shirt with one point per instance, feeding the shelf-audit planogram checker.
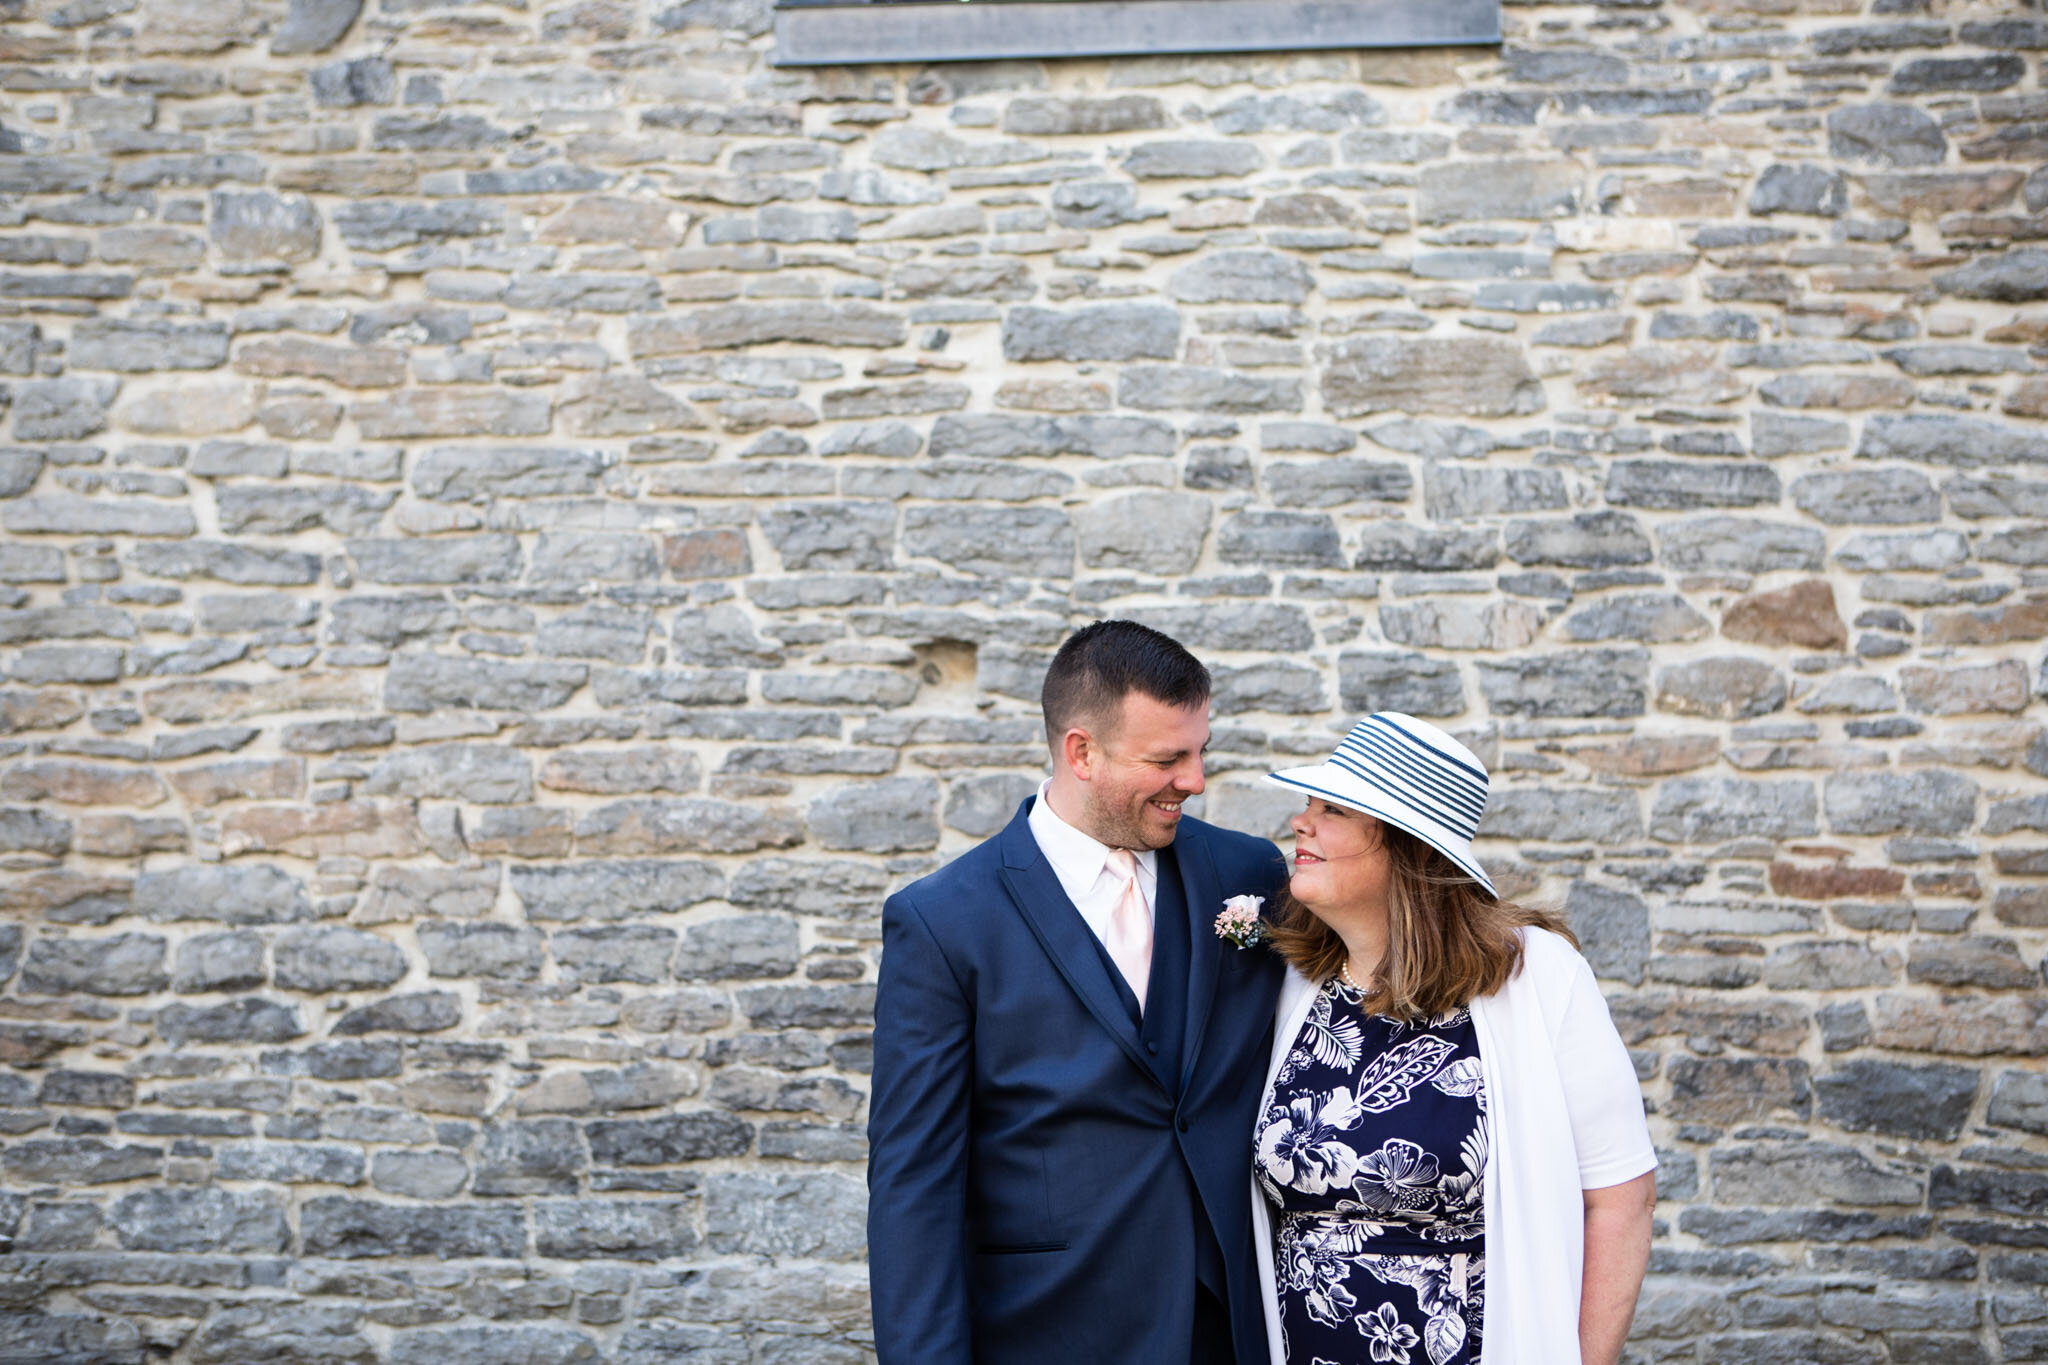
(1082, 865)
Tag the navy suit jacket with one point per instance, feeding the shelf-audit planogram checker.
(1032, 1177)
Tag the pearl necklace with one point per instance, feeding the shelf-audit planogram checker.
(1344, 972)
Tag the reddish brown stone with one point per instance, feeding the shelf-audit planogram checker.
(718, 553)
(1803, 614)
(2024, 329)
(1834, 881)
(361, 829)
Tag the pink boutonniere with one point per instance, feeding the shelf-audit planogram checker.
(1239, 921)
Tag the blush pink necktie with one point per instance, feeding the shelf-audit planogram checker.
(1130, 926)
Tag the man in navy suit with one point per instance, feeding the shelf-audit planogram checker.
(1068, 1058)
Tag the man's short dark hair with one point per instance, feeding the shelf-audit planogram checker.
(1100, 665)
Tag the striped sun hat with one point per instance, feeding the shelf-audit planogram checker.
(1410, 774)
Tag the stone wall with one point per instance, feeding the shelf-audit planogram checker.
(523, 522)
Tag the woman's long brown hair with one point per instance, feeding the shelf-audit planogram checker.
(1448, 941)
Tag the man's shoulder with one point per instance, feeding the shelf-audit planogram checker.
(972, 871)
(1230, 849)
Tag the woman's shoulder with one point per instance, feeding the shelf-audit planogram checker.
(1549, 961)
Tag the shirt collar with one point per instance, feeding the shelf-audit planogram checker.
(1078, 858)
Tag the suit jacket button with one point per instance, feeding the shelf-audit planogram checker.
(1152, 1048)
(1182, 1123)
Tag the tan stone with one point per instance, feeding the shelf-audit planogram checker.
(1803, 614)
(1054, 395)
(241, 779)
(1687, 197)
(622, 405)
(1929, 194)
(2028, 398)
(1968, 690)
(76, 783)
(128, 836)
(213, 408)
(720, 552)
(1963, 1025)
(611, 218)
(1649, 755)
(523, 832)
(2024, 620)
(1677, 374)
(360, 829)
(38, 710)
(65, 895)
(1773, 1026)
(349, 367)
(188, 703)
(2024, 328)
(348, 175)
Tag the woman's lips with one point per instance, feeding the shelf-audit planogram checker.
(1303, 858)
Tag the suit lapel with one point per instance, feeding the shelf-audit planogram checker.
(1029, 882)
(1204, 898)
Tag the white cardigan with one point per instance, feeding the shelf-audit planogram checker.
(1564, 1114)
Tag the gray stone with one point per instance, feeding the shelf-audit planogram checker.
(1911, 551)
(257, 225)
(1613, 927)
(485, 774)
(1800, 1173)
(1805, 189)
(2009, 277)
(419, 1175)
(226, 561)
(1276, 686)
(1454, 492)
(1002, 436)
(1924, 74)
(1191, 159)
(1960, 441)
(1106, 331)
(892, 815)
(231, 960)
(841, 889)
(980, 805)
(479, 474)
(506, 951)
(1241, 276)
(1093, 204)
(1151, 531)
(1404, 546)
(1260, 626)
(244, 1020)
(1679, 485)
(1509, 188)
(2019, 1099)
(1899, 1099)
(79, 1161)
(1739, 545)
(428, 682)
(346, 1228)
(614, 890)
(245, 894)
(1192, 388)
(1336, 482)
(833, 535)
(1579, 682)
(1413, 684)
(1280, 540)
(614, 952)
(1705, 809)
(1653, 617)
(415, 1012)
(121, 964)
(30, 831)
(998, 542)
(614, 1229)
(541, 1156)
(290, 1163)
(1723, 687)
(1563, 816)
(349, 84)
(137, 346)
(200, 1219)
(324, 958)
(672, 1138)
(1585, 540)
(1866, 497)
(1927, 801)
(62, 409)
(816, 1214)
(1886, 135)
(456, 559)
(314, 26)
(684, 825)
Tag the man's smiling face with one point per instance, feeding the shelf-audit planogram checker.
(1148, 762)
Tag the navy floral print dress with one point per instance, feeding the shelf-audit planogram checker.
(1373, 1153)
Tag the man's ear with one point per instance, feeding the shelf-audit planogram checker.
(1079, 752)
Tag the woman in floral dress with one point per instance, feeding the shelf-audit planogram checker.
(1452, 1159)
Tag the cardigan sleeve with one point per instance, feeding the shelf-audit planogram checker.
(1601, 1092)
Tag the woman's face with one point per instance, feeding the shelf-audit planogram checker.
(1340, 861)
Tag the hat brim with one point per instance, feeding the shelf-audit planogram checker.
(1315, 781)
